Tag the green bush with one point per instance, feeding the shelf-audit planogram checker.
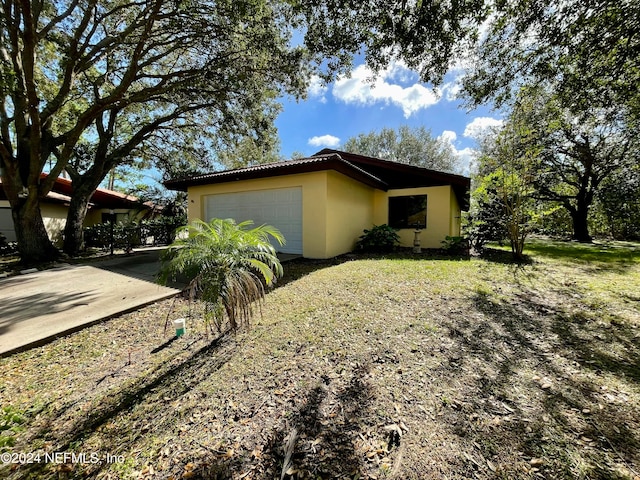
(455, 245)
(128, 235)
(7, 248)
(380, 239)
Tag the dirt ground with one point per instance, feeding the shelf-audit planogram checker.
(361, 368)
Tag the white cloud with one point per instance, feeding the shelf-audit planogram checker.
(324, 141)
(449, 136)
(451, 89)
(465, 156)
(478, 127)
(317, 88)
(360, 89)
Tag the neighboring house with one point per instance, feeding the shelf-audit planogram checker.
(323, 203)
(55, 205)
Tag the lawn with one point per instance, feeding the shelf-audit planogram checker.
(361, 368)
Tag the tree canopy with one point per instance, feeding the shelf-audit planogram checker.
(115, 74)
(415, 146)
(571, 71)
(570, 156)
(589, 51)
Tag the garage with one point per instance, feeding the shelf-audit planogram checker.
(6, 224)
(279, 207)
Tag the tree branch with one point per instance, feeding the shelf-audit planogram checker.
(57, 19)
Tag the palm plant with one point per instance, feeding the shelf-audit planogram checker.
(226, 264)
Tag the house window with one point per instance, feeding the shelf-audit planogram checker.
(408, 211)
(118, 217)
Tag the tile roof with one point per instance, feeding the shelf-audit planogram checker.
(288, 167)
(375, 172)
(102, 197)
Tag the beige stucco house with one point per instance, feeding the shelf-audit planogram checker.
(55, 205)
(323, 203)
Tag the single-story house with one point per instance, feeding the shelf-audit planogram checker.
(322, 203)
(55, 205)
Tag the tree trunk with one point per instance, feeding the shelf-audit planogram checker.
(580, 214)
(580, 225)
(34, 244)
(83, 188)
(74, 228)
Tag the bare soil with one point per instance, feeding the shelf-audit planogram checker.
(360, 368)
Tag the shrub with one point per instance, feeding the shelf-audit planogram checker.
(455, 245)
(158, 231)
(225, 264)
(7, 248)
(380, 239)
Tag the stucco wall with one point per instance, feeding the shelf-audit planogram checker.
(314, 204)
(54, 218)
(350, 208)
(440, 212)
(123, 215)
(336, 209)
(456, 216)
(94, 217)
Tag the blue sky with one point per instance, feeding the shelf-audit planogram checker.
(351, 105)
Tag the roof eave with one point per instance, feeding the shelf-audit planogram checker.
(332, 163)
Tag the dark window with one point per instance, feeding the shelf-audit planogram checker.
(117, 217)
(408, 212)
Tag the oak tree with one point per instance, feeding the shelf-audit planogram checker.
(415, 146)
(70, 70)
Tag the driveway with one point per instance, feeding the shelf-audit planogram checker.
(38, 307)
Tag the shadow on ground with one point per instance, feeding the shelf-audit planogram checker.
(155, 390)
(537, 371)
(15, 311)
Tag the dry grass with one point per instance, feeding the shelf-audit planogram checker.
(358, 368)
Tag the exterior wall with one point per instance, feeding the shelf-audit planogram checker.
(6, 221)
(55, 218)
(94, 217)
(456, 216)
(314, 204)
(440, 214)
(349, 211)
(336, 209)
(123, 215)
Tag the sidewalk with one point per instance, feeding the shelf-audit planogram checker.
(38, 307)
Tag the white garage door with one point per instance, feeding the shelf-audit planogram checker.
(281, 207)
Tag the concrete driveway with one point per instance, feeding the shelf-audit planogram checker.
(38, 307)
